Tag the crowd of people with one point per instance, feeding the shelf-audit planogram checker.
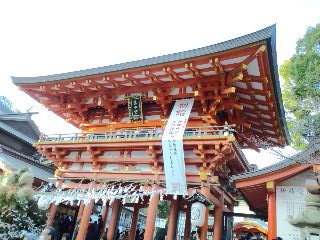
(49, 233)
(93, 233)
(62, 229)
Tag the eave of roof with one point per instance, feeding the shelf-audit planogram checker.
(257, 36)
(271, 42)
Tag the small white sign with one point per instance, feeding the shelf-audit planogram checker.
(160, 223)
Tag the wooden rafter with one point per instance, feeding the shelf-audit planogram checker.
(228, 90)
(194, 71)
(260, 119)
(162, 101)
(253, 91)
(172, 74)
(213, 106)
(236, 78)
(255, 102)
(152, 77)
(238, 70)
(259, 111)
(155, 155)
(218, 68)
(257, 79)
(249, 59)
(132, 80)
(202, 97)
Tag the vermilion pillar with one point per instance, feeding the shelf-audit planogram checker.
(114, 219)
(218, 220)
(85, 220)
(204, 228)
(173, 219)
(81, 207)
(53, 207)
(272, 218)
(104, 218)
(187, 226)
(151, 217)
(134, 223)
(52, 212)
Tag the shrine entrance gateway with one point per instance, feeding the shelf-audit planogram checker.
(122, 111)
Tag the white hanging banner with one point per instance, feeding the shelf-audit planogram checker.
(172, 147)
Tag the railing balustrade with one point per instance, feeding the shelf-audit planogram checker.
(133, 134)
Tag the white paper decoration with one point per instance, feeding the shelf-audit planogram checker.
(107, 192)
(43, 205)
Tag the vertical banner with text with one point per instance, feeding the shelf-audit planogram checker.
(172, 147)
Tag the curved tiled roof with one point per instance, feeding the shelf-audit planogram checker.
(267, 34)
(260, 35)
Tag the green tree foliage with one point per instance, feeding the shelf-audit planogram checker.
(163, 209)
(19, 213)
(301, 89)
(163, 212)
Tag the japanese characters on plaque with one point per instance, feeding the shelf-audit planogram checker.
(172, 147)
(135, 108)
(289, 202)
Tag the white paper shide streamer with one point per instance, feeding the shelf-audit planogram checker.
(104, 193)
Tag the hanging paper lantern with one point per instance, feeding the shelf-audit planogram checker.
(198, 210)
(43, 205)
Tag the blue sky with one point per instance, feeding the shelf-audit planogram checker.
(47, 37)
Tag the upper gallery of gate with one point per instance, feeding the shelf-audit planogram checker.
(235, 81)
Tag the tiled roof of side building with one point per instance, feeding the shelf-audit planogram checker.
(28, 128)
(263, 34)
(272, 168)
(17, 123)
(304, 157)
(24, 158)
